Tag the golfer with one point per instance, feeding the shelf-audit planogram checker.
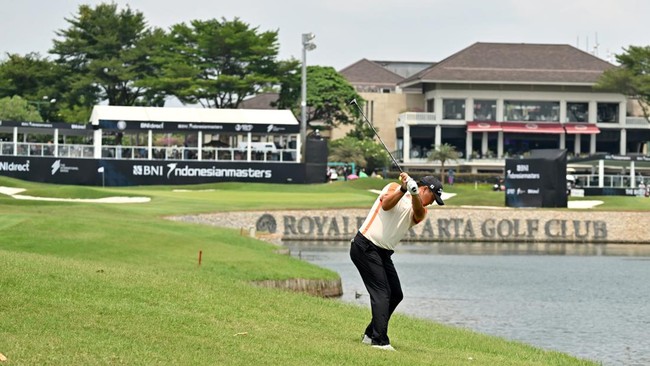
(395, 211)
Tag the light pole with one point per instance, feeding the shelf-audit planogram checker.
(44, 101)
(307, 45)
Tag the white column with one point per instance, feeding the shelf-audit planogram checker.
(437, 107)
(484, 144)
(56, 142)
(150, 144)
(632, 174)
(623, 142)
(249, 138)
(298, 148)
(576, 145)
(406, 144)
(15, 141)
(97, 144)
(563, 117)
(601, 173)
(500, 110)
(562, 140)
(469, 109)
(592, 144)
(199, 145)
(438, 139)
(622, 113)
(593, 112)
(468, 146)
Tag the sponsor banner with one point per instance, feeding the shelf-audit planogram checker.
(610, 191)
(537, 182)
(192, 126)
(627, 157)
(47, 125)
(50, 170)
(148, 172)
(523, 181)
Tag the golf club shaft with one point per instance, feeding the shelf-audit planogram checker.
(377, 134)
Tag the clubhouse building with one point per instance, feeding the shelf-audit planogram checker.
(492, 101)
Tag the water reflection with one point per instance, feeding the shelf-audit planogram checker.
(589, 300)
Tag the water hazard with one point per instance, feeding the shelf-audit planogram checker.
(591, 301)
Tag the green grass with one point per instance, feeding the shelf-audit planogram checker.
(96, 284)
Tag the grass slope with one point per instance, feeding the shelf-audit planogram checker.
(94, 284)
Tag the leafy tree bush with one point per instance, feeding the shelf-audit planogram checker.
(18, 109)
(366, 154)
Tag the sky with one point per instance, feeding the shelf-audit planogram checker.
(350, 30)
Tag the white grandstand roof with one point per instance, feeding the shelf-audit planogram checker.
(192, 115)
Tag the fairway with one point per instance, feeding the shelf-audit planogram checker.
(99, 283)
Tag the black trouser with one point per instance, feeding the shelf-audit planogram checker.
(381, 280)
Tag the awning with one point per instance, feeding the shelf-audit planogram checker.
(532, 127)
(483, 126)
(581, 128)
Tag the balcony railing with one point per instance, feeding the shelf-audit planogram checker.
(417, 117)
(141, 152)
(46, 149)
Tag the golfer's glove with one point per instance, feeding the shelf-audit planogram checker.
(412, 187)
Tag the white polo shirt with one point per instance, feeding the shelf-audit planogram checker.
(386, 228)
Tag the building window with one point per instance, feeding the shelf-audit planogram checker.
(577, 112)
(453, 109)
(607, 112)
(485, 110)
(520, 110)
(430, 106)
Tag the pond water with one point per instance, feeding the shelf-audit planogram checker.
(590, 301)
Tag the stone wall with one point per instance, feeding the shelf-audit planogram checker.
(446, 224)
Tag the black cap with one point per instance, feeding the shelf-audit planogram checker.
(435, 186)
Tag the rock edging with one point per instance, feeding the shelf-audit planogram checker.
(321, 288)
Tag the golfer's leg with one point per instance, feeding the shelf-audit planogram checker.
(396, 294)
(371, 269)
(360, 260)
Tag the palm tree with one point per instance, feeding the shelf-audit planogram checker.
(443, 153)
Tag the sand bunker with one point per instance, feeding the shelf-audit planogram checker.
(14, 192)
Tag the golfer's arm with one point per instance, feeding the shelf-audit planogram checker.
(419, 212)
(390, 199)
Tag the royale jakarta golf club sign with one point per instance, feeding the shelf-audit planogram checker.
(483, 227)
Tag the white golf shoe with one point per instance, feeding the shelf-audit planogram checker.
(387, 347)
(366, 340)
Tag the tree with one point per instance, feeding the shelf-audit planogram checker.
(376, 156)
(347, 150)
(18, 109)
(632, 78)
(290, 84)
(216, 63)
(328, 96)
(364, 153)
(36, 79)
(106, 53)
(361, 130)
(443, 153)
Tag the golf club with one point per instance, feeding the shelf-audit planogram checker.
(354, 101)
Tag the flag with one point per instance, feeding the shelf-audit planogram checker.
(100, 169)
